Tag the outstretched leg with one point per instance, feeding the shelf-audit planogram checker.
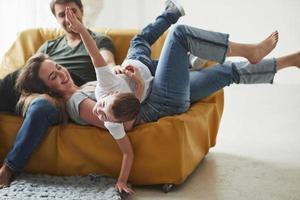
(215, 46)
(170, 92)
(209, 80)
(254, 53)
(140, 47)
(150, 33)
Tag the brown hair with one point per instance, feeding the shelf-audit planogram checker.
(126, 107)
(31, 86)
(53, 2)
(28, 80)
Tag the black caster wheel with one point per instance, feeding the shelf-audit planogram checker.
(167, 187)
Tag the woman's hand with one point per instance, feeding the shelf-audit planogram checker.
(121, 186)
(73, 23)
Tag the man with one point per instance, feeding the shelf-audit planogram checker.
(68, 51)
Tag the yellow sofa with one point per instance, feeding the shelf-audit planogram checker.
(166, 151)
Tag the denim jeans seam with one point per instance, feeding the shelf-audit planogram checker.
(222, 45)
(275, 70)
(209, 41)
(257, 73)
(226, 48)
(11, 166)
(275, 65)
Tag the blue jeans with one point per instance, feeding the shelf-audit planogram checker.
(39, 117)
(9, 95)
(140, 46)
(173, 89)
(209, 80)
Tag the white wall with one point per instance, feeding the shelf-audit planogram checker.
(246, 21)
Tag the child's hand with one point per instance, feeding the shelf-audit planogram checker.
(133, 73)
(122, 187)
(73, 23)
(118, 69)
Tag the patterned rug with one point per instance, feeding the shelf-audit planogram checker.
(36, 187)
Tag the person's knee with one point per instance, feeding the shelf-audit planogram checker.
(44, 109)
(139, 41)
(179, 30)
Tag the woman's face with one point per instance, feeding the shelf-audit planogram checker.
(56, 77)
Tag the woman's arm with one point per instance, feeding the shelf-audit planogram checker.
(89, 43)
(85, 113)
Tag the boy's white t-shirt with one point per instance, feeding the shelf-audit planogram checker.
(108, 81)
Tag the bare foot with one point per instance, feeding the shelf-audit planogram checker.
(5, 176)
(263, 48)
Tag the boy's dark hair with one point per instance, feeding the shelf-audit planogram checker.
(126, 107)
(53, 2)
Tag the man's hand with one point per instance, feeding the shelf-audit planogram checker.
(122, 187)
(73, 23)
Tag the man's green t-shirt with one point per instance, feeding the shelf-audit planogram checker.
(76, 59)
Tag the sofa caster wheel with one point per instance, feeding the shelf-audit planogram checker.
(167, 187)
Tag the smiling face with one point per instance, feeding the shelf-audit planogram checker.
(117, 107)
(55, 77)
(60, 9)
(103, 108)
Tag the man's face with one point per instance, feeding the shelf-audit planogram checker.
(60, 14)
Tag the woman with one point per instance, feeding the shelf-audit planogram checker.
(173, 87)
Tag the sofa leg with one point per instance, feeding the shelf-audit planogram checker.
(167, 187)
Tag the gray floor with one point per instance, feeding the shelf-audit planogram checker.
(257, 155)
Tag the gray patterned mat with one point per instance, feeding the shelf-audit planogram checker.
(35, 187)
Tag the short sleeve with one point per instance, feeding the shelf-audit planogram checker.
(72, 106)
(116, 129)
